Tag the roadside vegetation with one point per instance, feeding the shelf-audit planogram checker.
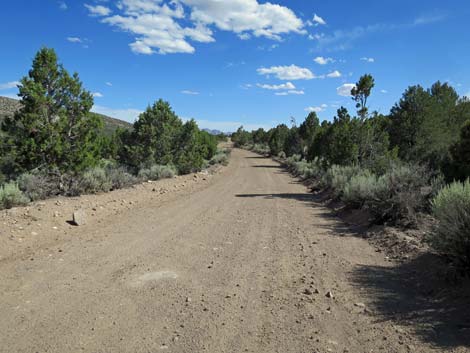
(53, 145)
(396, 167)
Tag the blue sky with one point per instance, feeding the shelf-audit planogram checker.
(227, 63)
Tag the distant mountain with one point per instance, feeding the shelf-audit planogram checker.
(9, 106)
(213, 132)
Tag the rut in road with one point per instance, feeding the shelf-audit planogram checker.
(242, 265)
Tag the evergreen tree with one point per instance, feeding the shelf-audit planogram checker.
(361, 93)
(53, 130)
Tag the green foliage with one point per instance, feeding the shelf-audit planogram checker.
(337, 177)
(95, 180)
(308, 131)
(451, 207)
(53, 130)
(37, 185)
(262, 149)
(278, 139)
(221, 157)
(11, 196)
(397, 195)
(336, 142)
(361, 93)
(119, 177)
(157, 172)
(426, 123)
(460, 152)
(241, 137)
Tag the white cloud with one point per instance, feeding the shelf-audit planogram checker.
(109, 84)
(98, 95)
(429, 18)
(9, 85)
(334, 74)
(318, 20)
(316, 109)
(98, 10)
(74, 40)
(383, 91)
(62, 5)
(129, 115)
(163, 26)
(369, 60)
(283, 86)
(291, 72)
(246, 86)
(320, 60)
(345, 90)
(191, 93)
(290, 92)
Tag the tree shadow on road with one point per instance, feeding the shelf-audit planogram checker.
(416, 294)
(267, 166)
(303, 197)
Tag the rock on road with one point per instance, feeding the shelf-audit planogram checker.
(248, 263)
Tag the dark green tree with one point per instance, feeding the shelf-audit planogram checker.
(308, 131)
(278, 139)
(54, 130)
(361, 93)
(154, 139)
(460, 166)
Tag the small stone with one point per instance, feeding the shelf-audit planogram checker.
(308, 291)
(188, 300)
(79, 218)
(34, 234)
(329, 295)
(360, 305)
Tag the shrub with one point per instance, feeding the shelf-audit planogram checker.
(11, 196)
(304, 169)
(95, 180)
(38, 186)
(363, 189)
(451, 207)
(157, 172)
(219, 158)
(120, 178)
(398, 195)
(261, 149)
(282, 155)
(337, 177)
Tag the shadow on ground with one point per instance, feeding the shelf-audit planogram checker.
(416, 294)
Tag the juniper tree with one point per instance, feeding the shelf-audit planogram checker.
(53, 130)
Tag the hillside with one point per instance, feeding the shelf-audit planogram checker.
(9, 106)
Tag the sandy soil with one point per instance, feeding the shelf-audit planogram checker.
(242, 260)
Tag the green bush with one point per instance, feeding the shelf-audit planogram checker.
(304, 169)
(120, 178)
(94, 181)
(451, 207)
(11, 196)
(398, 195)
(157, 172)
(282, 155)
(337, 177)
(38, 186)
(260, 149)
(363, 189)
(221, 157)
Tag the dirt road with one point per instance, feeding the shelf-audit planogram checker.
(245, 263)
